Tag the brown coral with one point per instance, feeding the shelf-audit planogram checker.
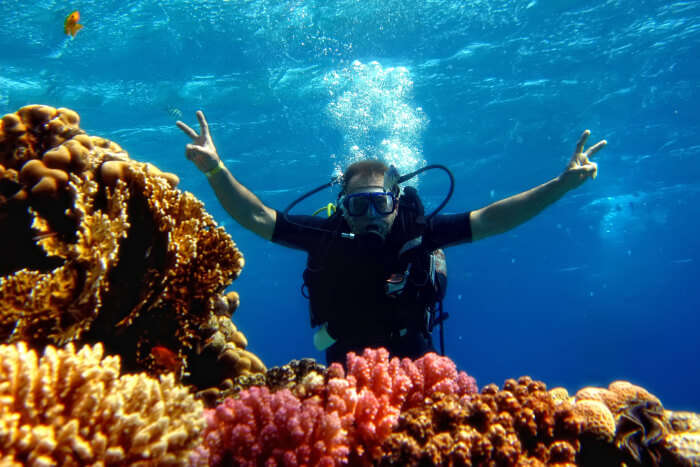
(74, 408)
(519, 425)
(301, 377)
(97, 247)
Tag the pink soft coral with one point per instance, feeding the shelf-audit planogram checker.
(344, 422)
(276, 428)
(385, 387)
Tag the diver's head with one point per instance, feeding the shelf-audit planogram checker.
(367, 206)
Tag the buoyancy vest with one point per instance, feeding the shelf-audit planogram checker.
(400, 288)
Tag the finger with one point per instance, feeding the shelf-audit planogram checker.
(192, 151)
(582, 141)
(583, 172)
(595, 148)
(187, 130)
(203, 125)
(592, 169)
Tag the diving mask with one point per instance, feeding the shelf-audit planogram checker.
(357, 204)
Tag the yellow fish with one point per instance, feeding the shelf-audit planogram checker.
(71, 26)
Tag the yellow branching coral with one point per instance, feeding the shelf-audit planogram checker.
(192, 233)
(29, 299)
(98, 247)
(74, 408)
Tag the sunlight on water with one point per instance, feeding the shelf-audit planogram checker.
(371, 106)
(619, 216)
(628, 216)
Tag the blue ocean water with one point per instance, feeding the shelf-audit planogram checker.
(601, 286)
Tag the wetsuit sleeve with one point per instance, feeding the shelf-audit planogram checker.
(448, 230)
(299, 232)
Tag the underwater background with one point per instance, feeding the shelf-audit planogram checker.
(601, 286)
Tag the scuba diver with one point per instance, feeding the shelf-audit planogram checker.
(375, 273)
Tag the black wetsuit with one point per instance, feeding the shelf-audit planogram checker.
(351, 280)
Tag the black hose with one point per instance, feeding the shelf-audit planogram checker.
(409, 176)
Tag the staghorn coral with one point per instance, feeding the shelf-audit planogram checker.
(74, 408)
(97, 247)
(343, 420)
(518, 425)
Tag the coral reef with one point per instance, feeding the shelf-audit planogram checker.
(97, 247)
(74, 408)
(272, 428)
(682, 443)
(384, 411)
(625, 424)
(103, 250)
(340, 418)
(299, 376)
(518, 425)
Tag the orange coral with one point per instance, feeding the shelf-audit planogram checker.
(519, 425)
(99, 247)
(618, 395)
(74, 408)
(597, 419)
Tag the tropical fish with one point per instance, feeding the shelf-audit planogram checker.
(201, 345)
(71, 26)
(174, 112)
(43, 235)
(166, 358)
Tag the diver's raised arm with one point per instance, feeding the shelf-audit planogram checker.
(508, 213)
(241, 204)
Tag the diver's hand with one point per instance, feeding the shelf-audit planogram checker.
(202, 150)
(580, 166)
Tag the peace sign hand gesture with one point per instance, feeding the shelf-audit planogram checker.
(580, 166)
(202, 150)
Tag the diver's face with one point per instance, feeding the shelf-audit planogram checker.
(370, 221)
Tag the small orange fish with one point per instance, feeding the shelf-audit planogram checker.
(166, 358)
(71, 26)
